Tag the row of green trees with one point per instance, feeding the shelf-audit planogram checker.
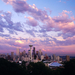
(39, 68)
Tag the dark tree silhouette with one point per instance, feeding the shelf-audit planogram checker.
(69, 67)
(8, 68)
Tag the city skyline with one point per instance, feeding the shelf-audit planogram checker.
(48, 25)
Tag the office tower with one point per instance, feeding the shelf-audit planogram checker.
(51, 57)
(24, 52)
(39, 54)
(8, 57)
(36, 52)
(33, 50)
(67, 58)
(42, 57)
(17, 52)
(54, 57)
(37, 57)
(47, 57)
(20, 54)
(57, 58)
(12, 54)
(30, 51)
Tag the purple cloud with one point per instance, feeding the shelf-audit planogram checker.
(9, 24)
(62, 19)
(31, 21)
(5, 48)
(22, 7)
(60, 23)
(7, 17)
(4, 35)
(31, 32)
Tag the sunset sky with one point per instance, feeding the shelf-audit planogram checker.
(48, 25)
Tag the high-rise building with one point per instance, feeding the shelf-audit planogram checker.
(20, 54)
(30, 52)
(51, 57)
(42, 57)
(39, 54)
(57, 58)
(33, 50)
(8, 57)
(54, 57)
(36, 52)
(24, 52)
(67, 58)
(17, 52)
(12, 54)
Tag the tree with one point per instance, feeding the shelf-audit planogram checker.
(38, 69)
(8, 68)
(69, 67)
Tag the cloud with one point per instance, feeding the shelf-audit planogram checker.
(6, 22)
(63, 24)
(47, 9)
(31, 32)
(58, 23)
(7, 17)
(11, 44)
(62, 19)
(1, 29)
(31, 21)
(66, 42)
(73, 18)
(47, 44)
(6, 49)
(22, 7)
(4, 35)
(65, 11)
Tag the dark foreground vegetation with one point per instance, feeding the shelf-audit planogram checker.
(8, 68)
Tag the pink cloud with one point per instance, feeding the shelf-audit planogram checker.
(73, 18)
(22, 7)
(62, 22)
(31, 21)
(65, 11)
(63, 18)
(8, 23)
(47, 46)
